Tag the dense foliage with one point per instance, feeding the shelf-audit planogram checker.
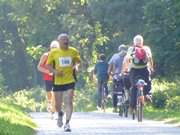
(28, 26)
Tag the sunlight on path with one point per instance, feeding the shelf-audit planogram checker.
(95, 123)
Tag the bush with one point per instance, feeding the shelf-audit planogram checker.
(159, 99)
(31, 100)
(162, 91)
(85, 99)
(173, 103)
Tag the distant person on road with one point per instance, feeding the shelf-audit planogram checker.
(101, 72)
(62, 63)
(48, 76)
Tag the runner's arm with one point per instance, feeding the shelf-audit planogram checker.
(41, 66)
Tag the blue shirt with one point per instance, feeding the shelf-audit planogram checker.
(117, 61)
(101, 70)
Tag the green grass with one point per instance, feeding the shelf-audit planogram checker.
(13, 121)
(165, 106)
(169, 116)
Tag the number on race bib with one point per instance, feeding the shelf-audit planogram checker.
(65, 61)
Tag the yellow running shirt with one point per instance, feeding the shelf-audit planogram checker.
(63, 60)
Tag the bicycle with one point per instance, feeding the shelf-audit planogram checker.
(140, 100)
(122, 99)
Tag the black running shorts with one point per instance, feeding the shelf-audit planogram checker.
(64, 87)
(48, 85)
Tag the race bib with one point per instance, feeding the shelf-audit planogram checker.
(65, 61)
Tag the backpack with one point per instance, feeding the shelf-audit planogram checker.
(139, 56)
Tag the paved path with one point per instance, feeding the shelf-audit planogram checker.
(97, 123)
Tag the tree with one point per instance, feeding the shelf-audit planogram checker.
(162, 31)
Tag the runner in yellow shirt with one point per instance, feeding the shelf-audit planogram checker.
(62, 62)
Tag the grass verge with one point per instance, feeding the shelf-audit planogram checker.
(13, 121)
(168, 116)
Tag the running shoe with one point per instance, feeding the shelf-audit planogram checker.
(67, 128)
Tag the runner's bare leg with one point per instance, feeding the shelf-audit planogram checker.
(68, 101)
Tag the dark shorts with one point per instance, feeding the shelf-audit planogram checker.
(48, 85)
(64, 87)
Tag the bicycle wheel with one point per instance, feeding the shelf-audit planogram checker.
(125, 106)
(140, 112)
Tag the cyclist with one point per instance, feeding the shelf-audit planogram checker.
(48, 76)
(65, 60)
(115, 67)
(101, 72)
(139, 62)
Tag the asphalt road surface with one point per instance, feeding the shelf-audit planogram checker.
(99, 123)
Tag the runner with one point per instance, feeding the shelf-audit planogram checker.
(62, 62)
(48, 77)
